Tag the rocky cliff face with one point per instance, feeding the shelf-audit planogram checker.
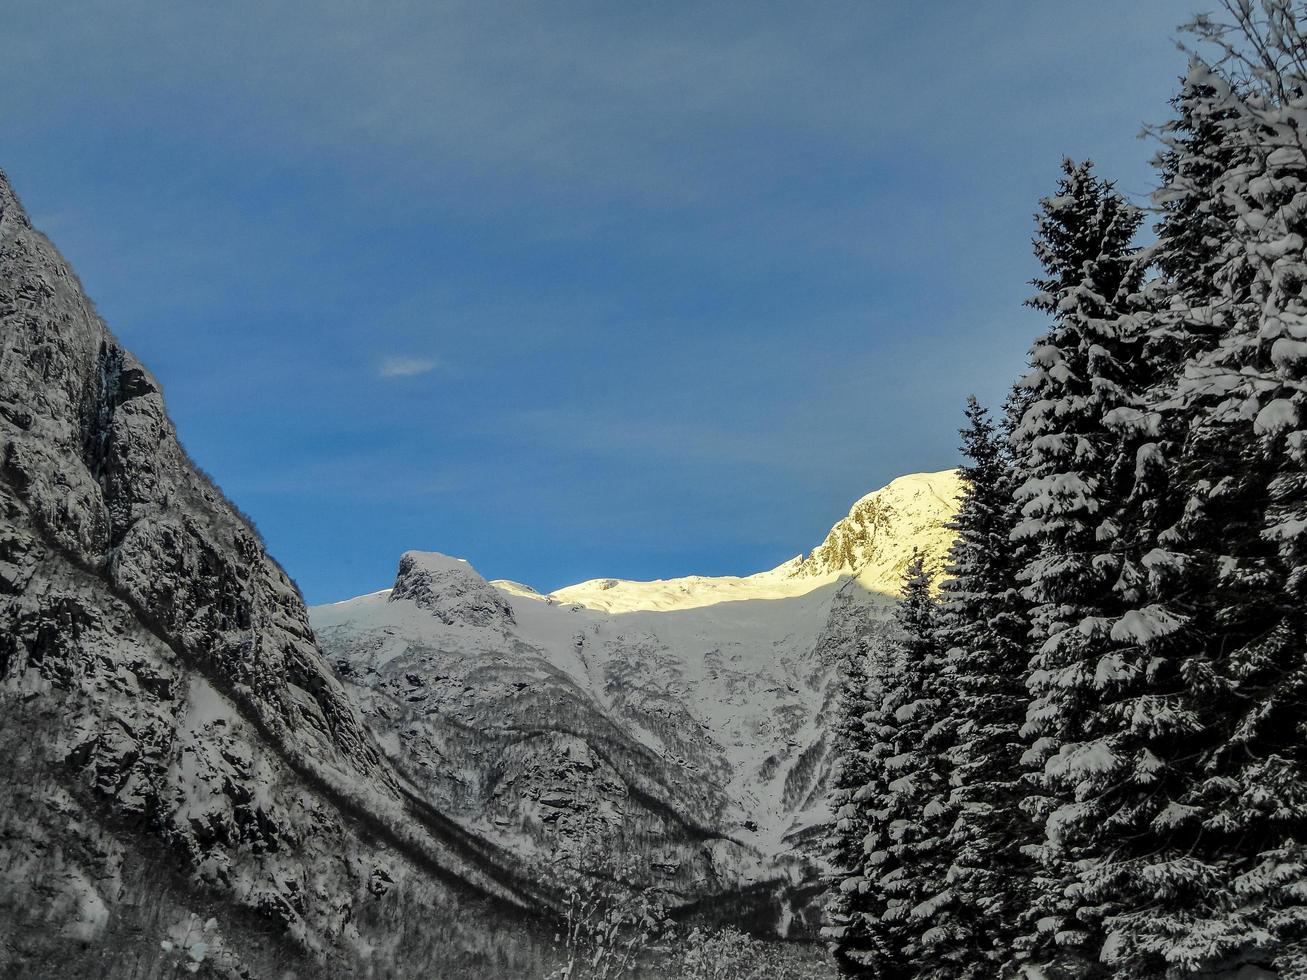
(678, 723)
(177, 742)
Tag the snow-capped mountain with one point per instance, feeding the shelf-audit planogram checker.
(680, 720)
(882, 530)
(189, 781)
(185, 779)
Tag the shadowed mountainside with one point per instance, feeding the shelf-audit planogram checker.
(178, 745)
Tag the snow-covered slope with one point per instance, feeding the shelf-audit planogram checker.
(682, 719)
(882, 530)
(873, 543)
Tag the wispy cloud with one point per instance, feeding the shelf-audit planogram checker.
(405, 367)
(609, 98)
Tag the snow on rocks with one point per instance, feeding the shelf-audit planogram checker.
(666, 710)
(450, 589)
(158, 671)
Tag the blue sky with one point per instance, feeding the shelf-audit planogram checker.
(571, 289)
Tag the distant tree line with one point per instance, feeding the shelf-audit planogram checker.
(1087, 754)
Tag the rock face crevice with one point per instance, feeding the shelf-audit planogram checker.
(160, 676)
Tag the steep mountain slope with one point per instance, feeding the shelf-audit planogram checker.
(677, 722)
(182, 768)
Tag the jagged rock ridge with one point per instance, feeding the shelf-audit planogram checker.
(450, 590)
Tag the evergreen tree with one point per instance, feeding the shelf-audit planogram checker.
(1151, 500)
(851, 942)
(1074, 475)
(1227, 883)
(1195, 220)
(982, 628)
(907, 818)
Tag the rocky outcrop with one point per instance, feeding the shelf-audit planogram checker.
(450, 590)
(161, 692)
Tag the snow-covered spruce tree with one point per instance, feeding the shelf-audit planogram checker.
(982, 627)
(1074, 475)
(858, 939)
(1195, 220)
(1227, 884)
(846, 930)
(905, 798)
(1192, 253)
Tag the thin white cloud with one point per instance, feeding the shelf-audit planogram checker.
(405, 367)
